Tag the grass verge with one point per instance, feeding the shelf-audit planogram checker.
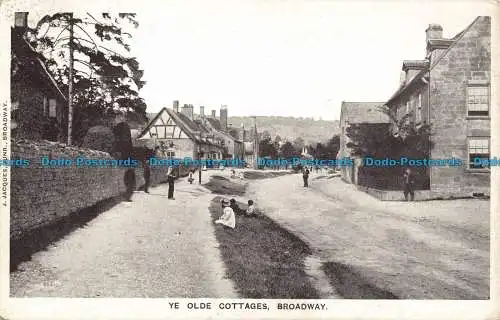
(263, 259)
(255, 175)
(351, 284)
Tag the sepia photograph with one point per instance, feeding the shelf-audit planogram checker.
(264, 157)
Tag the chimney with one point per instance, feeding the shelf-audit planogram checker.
(21, 19)
(213, 113)
(436, 44)
(187, 110)
(243, 136)
(202, 111)
(223, 118)
(176, 105)
(21, 22)
(434, 31)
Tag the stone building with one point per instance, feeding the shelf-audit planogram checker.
(450, 90)
(38, 107)
(361, 113)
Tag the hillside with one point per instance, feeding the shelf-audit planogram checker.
(289, 127)
(310, 130)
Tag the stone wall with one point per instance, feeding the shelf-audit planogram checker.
(468, 60)
(42, 195)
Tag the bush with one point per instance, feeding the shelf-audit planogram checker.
(99, 138)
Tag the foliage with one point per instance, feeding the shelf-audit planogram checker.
(287, 151)
(123, 140)
(328, 150)
(106, 83)
(400, 138)
(267, 148)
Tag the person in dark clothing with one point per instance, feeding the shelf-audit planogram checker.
(234, 206)
(147, 175)
(305, 176)
(170, 180)
(408, 184)
(129, 180)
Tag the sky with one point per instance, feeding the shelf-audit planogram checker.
(284, 58)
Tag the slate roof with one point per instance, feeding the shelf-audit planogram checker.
(362, 112)
(214, 123)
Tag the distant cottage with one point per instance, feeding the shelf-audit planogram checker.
(38, 107)
(359, 113)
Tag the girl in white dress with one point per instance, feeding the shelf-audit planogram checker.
(228, 219)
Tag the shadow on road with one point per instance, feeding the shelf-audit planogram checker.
(39, 239)
(351, 285)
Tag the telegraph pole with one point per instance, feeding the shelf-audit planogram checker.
(70, 84)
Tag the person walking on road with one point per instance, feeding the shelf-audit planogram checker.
(408, 184)
(170, 180)
(305, 176)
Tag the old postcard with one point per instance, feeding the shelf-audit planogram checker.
(249, 159)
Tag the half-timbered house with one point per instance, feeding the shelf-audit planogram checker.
(179, 135)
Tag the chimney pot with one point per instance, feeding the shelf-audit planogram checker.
(21, 20)
(434, 31)
(223, 117)
(187, 110)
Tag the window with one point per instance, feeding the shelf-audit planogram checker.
(407, 106)
(477, 101)
(52, 108)
(418, 112)
(170, 154)
(479, 148)
(45, 106)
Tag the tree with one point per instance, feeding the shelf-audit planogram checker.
(400, 138)
(267, 148)
(287, 151)
(277, 143)
(103, 82)
(332, 147)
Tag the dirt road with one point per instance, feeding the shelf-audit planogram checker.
(151, 247)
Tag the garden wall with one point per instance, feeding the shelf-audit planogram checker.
(41, 196)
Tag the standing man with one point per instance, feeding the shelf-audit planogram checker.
(408, 184)
(147, 172)
(305, 176)
(170, 180)
(129, 180)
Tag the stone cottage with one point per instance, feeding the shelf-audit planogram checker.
(38, 107)
(450, 90)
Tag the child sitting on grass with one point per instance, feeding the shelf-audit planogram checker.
(251, 209)
(227, 219)
(234, 206)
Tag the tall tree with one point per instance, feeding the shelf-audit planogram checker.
(287, 151)
(298, 144)
(106, 78)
